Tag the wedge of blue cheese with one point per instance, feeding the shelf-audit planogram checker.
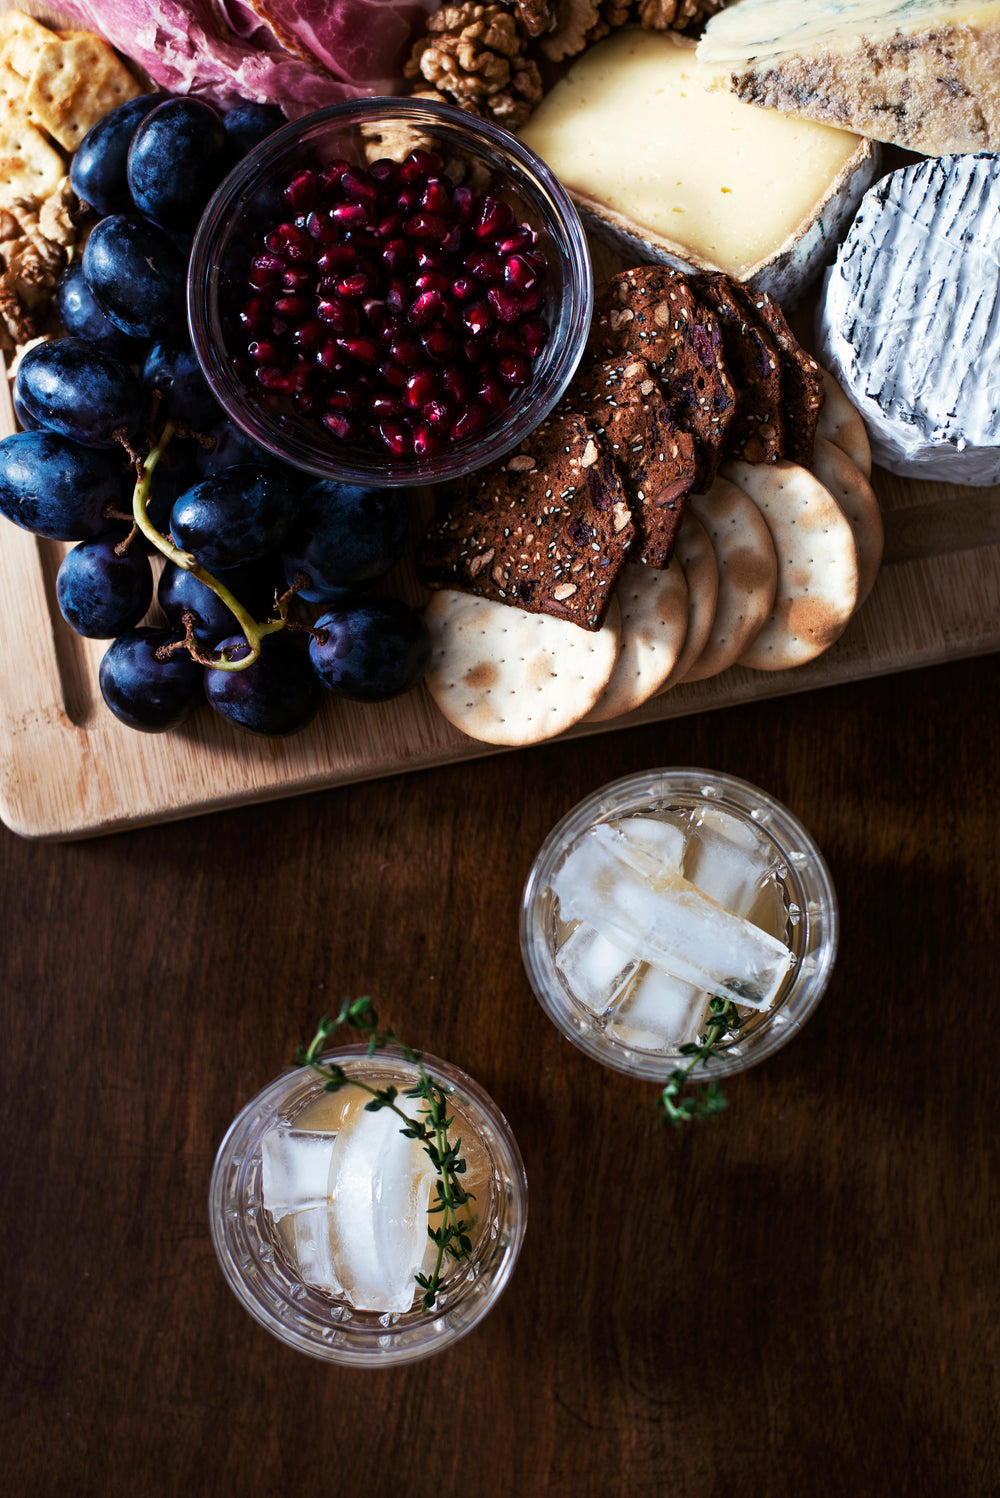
(924, 74)
(909, 319)
(669, 171)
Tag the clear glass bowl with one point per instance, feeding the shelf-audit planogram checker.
(248, 202)
(257, 1264)
(812, 926)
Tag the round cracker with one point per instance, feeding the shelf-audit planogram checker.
(817, 563)
(856, 497)
(748, 575)
(841, 423)
(505, 676)
(654, 609)
(696, 555)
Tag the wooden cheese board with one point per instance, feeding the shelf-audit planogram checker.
(68, 769)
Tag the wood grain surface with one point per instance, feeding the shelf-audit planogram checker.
(799, 1297)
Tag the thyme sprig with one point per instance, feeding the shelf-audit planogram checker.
(704, 1099)
(452, 1234)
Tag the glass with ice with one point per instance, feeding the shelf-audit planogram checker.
(320, 1211)
(663, 891)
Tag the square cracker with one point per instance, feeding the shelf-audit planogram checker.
(29, 166)
(74, 84)
(21, 40)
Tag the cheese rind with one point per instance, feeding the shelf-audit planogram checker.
(672, 172)
(909, 320)
(917, 73)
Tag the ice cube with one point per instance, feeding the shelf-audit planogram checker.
(594, 968)
(295, 1169)
(655, 913)
(313, 1250)
(380, 1187)
(728, 859)
(655, 836)
(658, 1012)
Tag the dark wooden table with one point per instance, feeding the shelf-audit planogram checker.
(800, 1297)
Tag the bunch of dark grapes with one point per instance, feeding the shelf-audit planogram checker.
(266, 542)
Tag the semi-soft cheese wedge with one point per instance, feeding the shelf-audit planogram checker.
(924, 74)
(694, 178)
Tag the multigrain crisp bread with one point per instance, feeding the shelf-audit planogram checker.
(546, 528)
(856, 497)
(748, 575)
(757, 432)
(505, 676)
(802, 387)
(623, 402)
(817, 564)
(651, 313)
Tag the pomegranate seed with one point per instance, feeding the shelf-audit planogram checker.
(254, 315)
(298, 278)
(394, 434)
(538, 263)
(421, 163)
(463, 200)
(329, 358)
(306, 403)
(436, 196)
(380, 319)
(439, 345)
(515, 369)
(421, 385)
(522, 238)
(426, 309)
(477, 318)
(406, 351)
(531, 302)
(337, 257)
(389, 227)
(365, 350)
(385, 171)
(357, 187)
(464, 288)
(454, 383)
(432, 280)
(269, 262)
(519, 273)
(398, 294)
(262, 351)
(321, 228)
(506, 341)
(357, 283)
(263, 280)
(505, 304)
(278, 327)
(534, 336)
(430, 226)
(340, 316)
(300, 193)
(279, 381)
(493, 218)
(309, 336)
(408, 198)
(289, 241)
(425, 440)
(432, 260)
(492, 393)
(342, 426)
(469, 421)
(394, 375)
(438, 412)
(348, 398)
(294, 306)
(387, 405)
(452, 242)
(485, 267)
(396, 253)
(353, 215)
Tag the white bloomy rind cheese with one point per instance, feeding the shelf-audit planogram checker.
(909, 320)
(924, 74)
(670, 171)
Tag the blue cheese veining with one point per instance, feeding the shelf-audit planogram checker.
(909, 320)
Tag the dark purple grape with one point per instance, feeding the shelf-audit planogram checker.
(174, 475)
(56, 488)
(100, 593)
(81, 316)
(184, 393)
(146, 693)
(344, 538)
(276, 696)
(247, 124)
(178, 156)
(97, 172)
(179, 592)
(371, 651)
(236, 516)
(137, 276)
(232, 446)
(81, 392)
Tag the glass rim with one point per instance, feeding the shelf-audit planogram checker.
(417, 1334)
(807, 987)
(557, 363)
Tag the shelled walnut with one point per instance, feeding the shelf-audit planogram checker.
(476, 57)
(37, 238)
(677, 15)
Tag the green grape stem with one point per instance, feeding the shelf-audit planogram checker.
(253, 631)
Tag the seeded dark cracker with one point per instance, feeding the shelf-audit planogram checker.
(622, 400)
(802, 386)
(546, 528)
(651, 313)
(757, 432)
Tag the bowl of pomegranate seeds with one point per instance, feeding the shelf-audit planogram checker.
(389, 290)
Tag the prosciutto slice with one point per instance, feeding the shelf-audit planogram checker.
(298, 54)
